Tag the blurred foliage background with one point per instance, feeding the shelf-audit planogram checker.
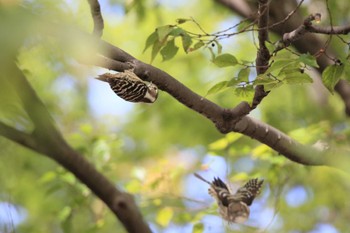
(153, 150)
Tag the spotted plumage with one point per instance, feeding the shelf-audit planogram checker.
(233, 207)
(130, 87)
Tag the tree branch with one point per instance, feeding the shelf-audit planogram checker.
(47, 140)
(97, 17)
(263, 56)
(310, 42)
(17, 136)
(226, 120)
(290, 37)
(335, 30)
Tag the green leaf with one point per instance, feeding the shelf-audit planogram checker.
(64, 213)
(163, 32)
(217, 87)
(155, 49)
(48, 177)
(289, 70)
(222, 143)
(309, 60)
(169, 50)
(68, 177)
(243, 75)
(134, 186)
(186, 42)
(245, 93)
(270, 86)
(176, 32)
(282, 63)
(225, 60)
(233, 82)
(198, 228)
(197, 45)
(151, 40)
(331, 76)
(264, 79)
(298, 78)
(164, 216)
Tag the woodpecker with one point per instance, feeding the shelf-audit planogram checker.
(130, 87)
(233, 207)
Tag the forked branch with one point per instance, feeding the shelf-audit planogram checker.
(47, 140)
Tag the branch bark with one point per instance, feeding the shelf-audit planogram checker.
(47, 140)
(97, 17)
(310, 43)
(226, 120)
(263, 56)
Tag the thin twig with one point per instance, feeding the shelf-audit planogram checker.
(287, 17)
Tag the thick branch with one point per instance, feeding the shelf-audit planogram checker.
(226, 120)
(34, 107)
(107, 63)
(279, 141)
(48, 141)
(122, 204)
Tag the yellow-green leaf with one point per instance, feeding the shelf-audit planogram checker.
(169, 50)
(151, 40)
(243, 75)
(298, 78)
(282, 63)
(245, 93)
(309, 60)
(164, 216)
(219, 144)
(217, 87)
(225, 60)
(186, 42)
(198, 228)
(197, 45)
(155, 49)
(134, 186)
(164, 31)
(331, 76)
